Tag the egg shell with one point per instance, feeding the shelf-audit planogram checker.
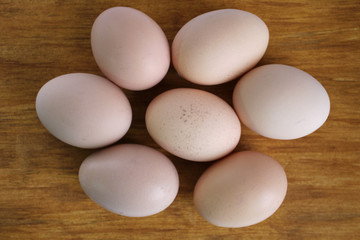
(240, 190)
(130, 180)
(130, 48)
(84, 110)
(193, 124)
(281, 102)
(219, 46)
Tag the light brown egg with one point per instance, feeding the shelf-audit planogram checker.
(219, 46)
(242, 189)
(84, 110)
(129, 179)
(193, 124)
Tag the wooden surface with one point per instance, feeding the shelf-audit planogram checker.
(40, 196)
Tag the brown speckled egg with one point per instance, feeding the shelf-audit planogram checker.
(193, 124)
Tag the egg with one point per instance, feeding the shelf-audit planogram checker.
(130, 180)
(130, 48)
(84, 110)
(240, 190)
(219, 46)
(193, 124)
(281, 102)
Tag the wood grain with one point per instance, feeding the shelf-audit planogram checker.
(40, 197)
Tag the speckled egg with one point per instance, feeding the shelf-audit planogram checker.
(193, 124)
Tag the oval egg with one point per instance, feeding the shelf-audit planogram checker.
(219, 46)
(240, 190)
(193, 124)
(281, 102)
(130, 180)
(130, 48)
(84, 110)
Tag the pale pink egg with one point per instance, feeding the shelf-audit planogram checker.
(130, 180)
(84, 110)
(130, 48)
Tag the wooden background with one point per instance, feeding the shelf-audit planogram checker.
(40, 196)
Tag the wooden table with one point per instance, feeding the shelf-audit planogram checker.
(40, 196)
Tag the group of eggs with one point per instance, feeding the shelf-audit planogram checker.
(89, 111)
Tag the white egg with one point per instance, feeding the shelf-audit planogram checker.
(281, 102)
